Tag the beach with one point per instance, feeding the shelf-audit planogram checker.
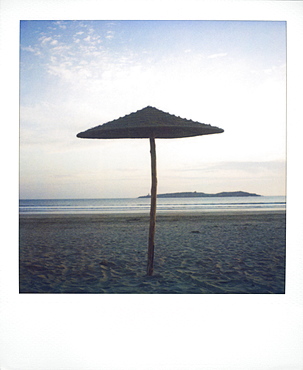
(195, 253)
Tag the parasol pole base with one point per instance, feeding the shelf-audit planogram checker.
(153, 204)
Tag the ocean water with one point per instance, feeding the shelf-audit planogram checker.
(142, 205)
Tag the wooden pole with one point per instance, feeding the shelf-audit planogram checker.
(153, 203)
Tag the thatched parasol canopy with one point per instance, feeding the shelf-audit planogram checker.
(149, 123)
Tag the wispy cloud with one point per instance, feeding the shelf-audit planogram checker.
(61, 25)
(218, 55)
(109, 35)
(45, 39)
(34, 50)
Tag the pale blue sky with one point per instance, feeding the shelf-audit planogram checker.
(78, 74)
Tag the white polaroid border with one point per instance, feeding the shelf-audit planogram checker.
(149, 332)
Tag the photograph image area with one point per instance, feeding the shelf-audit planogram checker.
(152, 157)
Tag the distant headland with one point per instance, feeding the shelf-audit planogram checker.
(196, 194)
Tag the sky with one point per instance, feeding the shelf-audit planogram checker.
(75, 75)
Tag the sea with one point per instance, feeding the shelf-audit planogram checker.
(142, 205)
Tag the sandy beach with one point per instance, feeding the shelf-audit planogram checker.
(197, 253)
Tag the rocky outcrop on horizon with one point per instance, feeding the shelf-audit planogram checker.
(196, 194)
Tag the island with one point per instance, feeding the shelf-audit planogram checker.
(196, 194)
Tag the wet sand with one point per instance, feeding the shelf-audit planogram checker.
(198, 253)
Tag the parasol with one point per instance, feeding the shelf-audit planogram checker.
(149, 123)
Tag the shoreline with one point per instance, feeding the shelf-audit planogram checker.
(160, 214)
